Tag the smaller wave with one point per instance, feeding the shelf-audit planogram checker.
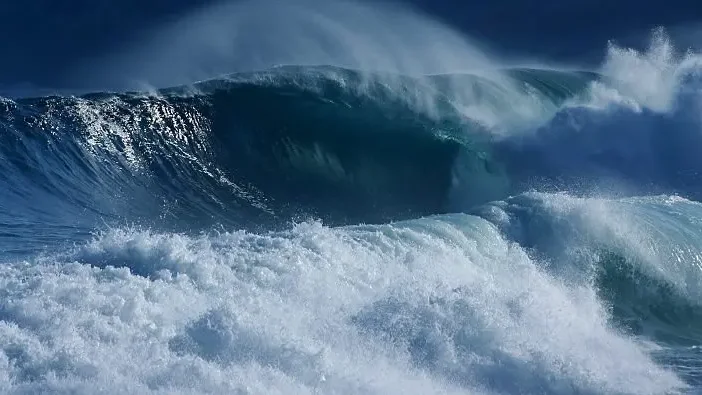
(646, 305)
(641, 254)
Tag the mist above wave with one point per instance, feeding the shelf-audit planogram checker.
(253, 35)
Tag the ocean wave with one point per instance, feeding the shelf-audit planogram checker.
(349, 146)
(384, 144)
(345, 146)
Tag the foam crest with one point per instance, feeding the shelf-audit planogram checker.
(650, 79)
(439, 305)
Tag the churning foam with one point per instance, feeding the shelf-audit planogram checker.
(438, 305)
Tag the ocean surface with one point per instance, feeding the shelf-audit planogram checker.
(390, 211)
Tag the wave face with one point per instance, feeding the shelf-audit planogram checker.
(327, 229)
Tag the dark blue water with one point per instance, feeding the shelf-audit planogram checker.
(259, 198)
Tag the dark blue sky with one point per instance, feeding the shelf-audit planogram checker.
(44, 39)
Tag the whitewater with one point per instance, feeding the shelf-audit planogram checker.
(315, 209)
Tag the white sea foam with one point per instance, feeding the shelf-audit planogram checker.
(438, 305)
